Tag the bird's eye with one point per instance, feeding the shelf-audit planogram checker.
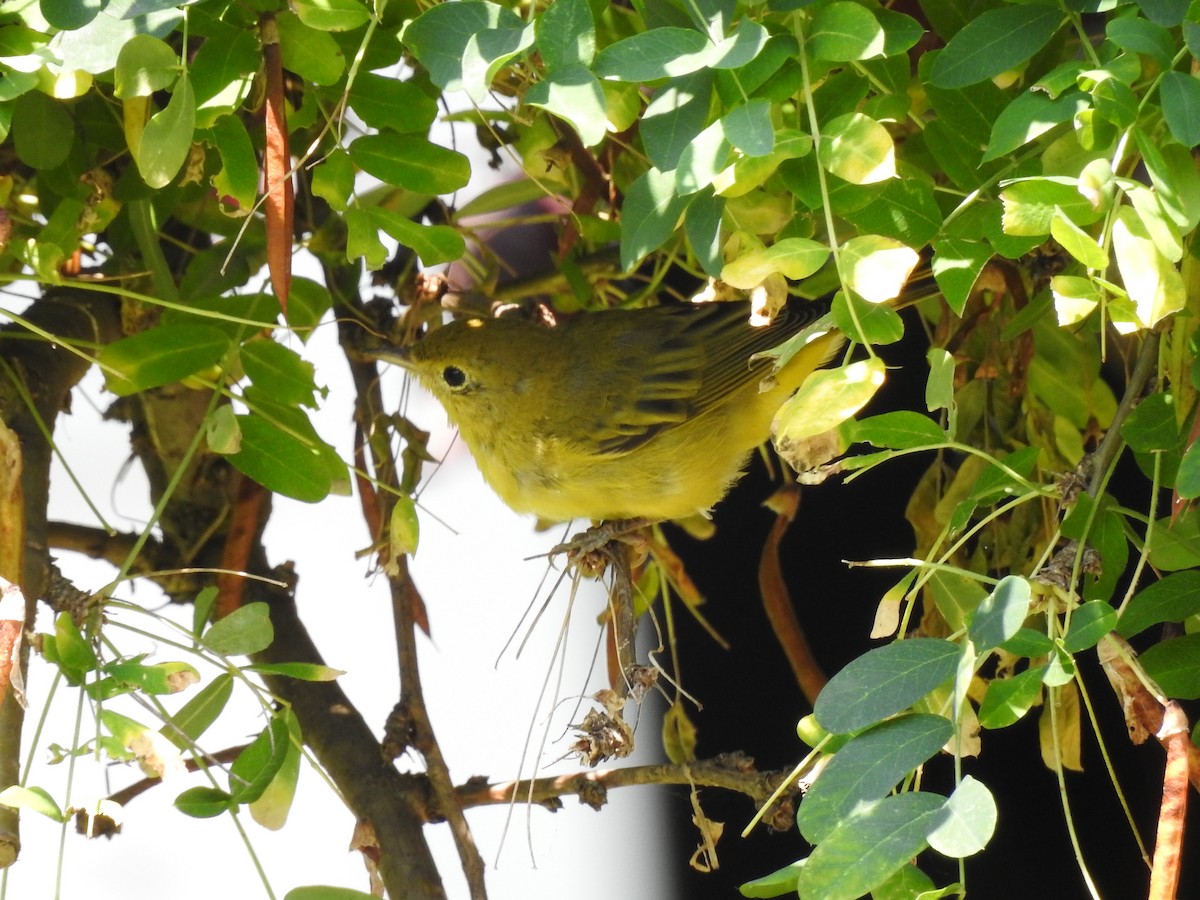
(454, 376)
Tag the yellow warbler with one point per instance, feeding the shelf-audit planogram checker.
(621, 414)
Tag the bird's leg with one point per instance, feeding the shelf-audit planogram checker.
(586, 550)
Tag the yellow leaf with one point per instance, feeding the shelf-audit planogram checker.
(404, 530)
(828, 398)
(1059, 732)
(1152, 282)
(877, 267)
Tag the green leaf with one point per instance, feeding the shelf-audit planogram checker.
(908, 883)
(42, 130)
(505, 196)
(332, 181)
(574, 95)
(1142, 36)
(956, 266)
(307, 304)
(444, 39)
(1175, 544)
(702, 224)
(237, 182)
(867, 768)
(1167, 13)
(993, 42)
(780, 882)
(1075, 298)
(845, 31)
(299, 671)
(1089, 623)
(157, 679)
(748, 128)
(1028, 642)
(280, 371)
(332, 15)
(1170, 599)
(410, 161)
(1030, 205)
(566, 34)
(1174, 665)
(34, 799)
(74, 653)
(971, 821)
(1158, 224)
(318, 892)
(658, 53)
(388, 103)
(741, 48)
(311, 54)
(145, 65)
(362, 239)
(259, 763)
(1106, 534)
(1008, 699)
(652, 209)
(195, 716)
(222, 72)
(869, 846)
(206, 601)
(244, 631)
(883, 682)
(1077, 242)
(900, 32)
(1059, 670)
(701, 160)
(271, 808)
(1001, 613)
(161, 355)
(404, 529)
(901, 429)
(167, 137)
(939, 386)
(858, 149)
(794, 258)
(1175, 178)
(487, 52)
(1115, 101)
(281, 461)
(969, 113)
(203, 802)
(94, 47)
(434, 244)
(864, 322)
(1028, 117)
(905, 210)
(1180, 95)
(676, 114)
(68, 15)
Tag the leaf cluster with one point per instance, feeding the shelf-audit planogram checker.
(1038, 159)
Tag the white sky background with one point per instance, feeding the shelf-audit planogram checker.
(475, 581)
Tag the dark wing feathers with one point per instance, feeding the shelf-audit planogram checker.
(700, 356)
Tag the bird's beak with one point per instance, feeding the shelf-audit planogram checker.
(385, 351)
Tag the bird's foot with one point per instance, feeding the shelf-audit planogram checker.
(589, 551)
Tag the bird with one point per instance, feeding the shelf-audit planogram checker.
(639, 413)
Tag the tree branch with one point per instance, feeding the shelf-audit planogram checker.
(409, 724)
(35, 381)
(731, 771)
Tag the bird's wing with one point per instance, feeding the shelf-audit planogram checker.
(672, 365)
